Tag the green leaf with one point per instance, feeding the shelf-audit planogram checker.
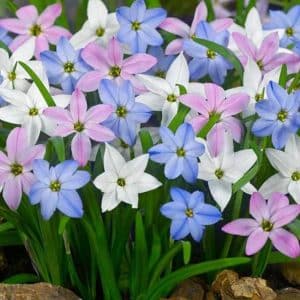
(208, 126)
(165, 285)
(21, 278)
(62, 224)
(6, 226)
(187, 251)
(225, 52)
(10, 238)
(146, 140)
(260, 260)
(210, 10)
(59, 146)
(295, 227)
(44, 91)
(283, 76)
(155, 253)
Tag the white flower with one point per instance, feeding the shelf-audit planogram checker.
(100, 26)
(122, 181)
(27, 109)
(225, 169)
(13, 75)
(287, 163)
(163, 93)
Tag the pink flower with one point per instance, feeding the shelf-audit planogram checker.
(176, 26)
(109, 63)
(267, 55)
(220, 104)
(84, 123)
(37, 30)
(16, 166)
(269, 218)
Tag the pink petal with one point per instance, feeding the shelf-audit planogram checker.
(174, 47)
(234, 104)
(96, 57)
(285, 215)
(99, 133)
(78, 106)
(4, 162)
(90, 81)
(54, 33)
(16, 143)
(221, 24)
(59, 114)
(285, 242)
(200, 15)
(115, 54)
(138, 63)
(14, 25)
(99, 113)
(258, 207)
(198, 122)
(30, 154)
(18, 41)
(4, 176)
(196, 102)
(49, 15)
(64, 130)
(242, 227)
(27, 14)
(277, 201)
(215, 139)
(235, 127)
(81, 148)
(27, 180)
(268, 47)
(256, 241)
(41, 44)
(175, 26)
(12, 192)
(280, 59)
(244, 44)
(215, 96)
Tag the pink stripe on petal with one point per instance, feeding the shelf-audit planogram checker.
(54, 33)
(242, 227)
(268, 47)
(235, 127)
(99, 133)
(221, 24)
(256, 240)
(175, 26)
(245, 45)
(215, 96)
(16, 142)
(138, 63)
(99, 113)
(90, 81)
(258, 207)
(285, 215)
(285, 242)
(200, 15)
(41, 44)
(215, 139)
(14, 25)
(174, 47)
(81, 148)
(196, 102)
(64, 130)
(27, 14)
(4, 162)
(234, 104)
(59, 114)
(12, 192)
(277, 201)
(78, 106)
(49, 15)
(96, 56)
(115, 54)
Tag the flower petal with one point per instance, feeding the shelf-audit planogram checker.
(242, 227)
(256, 240)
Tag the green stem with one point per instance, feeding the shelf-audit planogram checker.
(260, 261)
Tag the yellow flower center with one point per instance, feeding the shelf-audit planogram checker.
(260, 64)
(267, 225)
(289, 31)
(219, 173)
(69, 67)
(121, 111)
(189, 212)
(296, 176)
(12, 76)
(135, 25)
(121, 182)
(211, 54)
(180, 152)
(259, 97)
(35, 30)
(282, 115)
(55, 186)
(16, 169)
(100, 31)
(79, 127)
(115, 71)
(33, 111)
(171, 98)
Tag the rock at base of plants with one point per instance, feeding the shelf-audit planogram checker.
(288, 294)
(291, 272)
(37, 291)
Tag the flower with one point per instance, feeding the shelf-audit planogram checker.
(278, 115)
(27, 109)
(269, 218)
(177, 27)
(289, 23)
(37, 31)
(16, 166)
(84, 123)
(138, 26)
(206, 61)
(225, 169)
(163, 62)
(179, 152)
(222, 105)
(65, 66)
(164, 94)
(189, 214)
(96, 29)
(287, 163)
(127, 113)
(4, 37)
(109, 63)
(55, 188)
(123, 181)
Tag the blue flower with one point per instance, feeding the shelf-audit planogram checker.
(179, 152)
(138, 26)
(278, 115)
(4, 37)
(207, 61)
(55, 188)
(290, 22)
(189, 214)
(163, 62)
(127, 113)
(65, 66)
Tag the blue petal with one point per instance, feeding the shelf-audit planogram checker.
(278, 20)
(174, 210)
(123, 15)
(190, 169)
(65, 50)
(41, 170)
(70, 204)
(126, 35)
(36, 192)
(140, 113)
(198, 68)
(150, 36)
(267, 109)
(293, 15)
(68, 84)
(280, 136)
(184, 134)
(180, 195)
(217, 71)
(174, 167)
(205, 31)
(168, 138)
(179, 229)
(138, 10)
(127, 131)
(154, 17)
(222, 38)
(53, 66)
(126, 94)
(207, 214)
(277, 93)
(108, 92)
(160, 153)
(76, 181)
(195, 229)
(196, 199)
(194, 49)
(66, 169)
(263, 127)
(48, 203)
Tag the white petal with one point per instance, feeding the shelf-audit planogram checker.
(281, 161)
(84, 36)
(14, 97)
(62, 100)
(248, 188)
(169, 111)
(155, 85)
(275, 183)
(221, 192)
(252, 75)
(48, 125)
(294, 190)
(106, 182)
(97, 13)
(253, 27)
(147, 183)
(134, 168)
(153, 101)
(196, 88)
(113, 160)
(178, 72)
(292, 148)
(109, 201)
(12, 114)
(25, 52)
(5, 63)
(273, 75)
(33, 127)
(129, 195)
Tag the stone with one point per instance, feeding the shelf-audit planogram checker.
(288, 294)
(37, 291)
(291, 272)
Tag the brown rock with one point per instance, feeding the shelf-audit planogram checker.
(288, 294)
(37, 291)
(190, 289)
(230, 287)
(291, 272)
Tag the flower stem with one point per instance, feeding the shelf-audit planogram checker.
(260, 260)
